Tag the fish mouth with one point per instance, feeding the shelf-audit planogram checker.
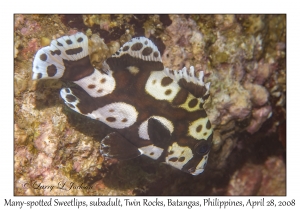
(197, 171)
(194, 171)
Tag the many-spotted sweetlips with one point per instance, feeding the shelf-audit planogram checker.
(153, 110)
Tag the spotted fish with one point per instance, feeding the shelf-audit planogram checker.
(153, 110)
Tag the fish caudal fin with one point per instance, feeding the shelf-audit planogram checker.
(66, 58)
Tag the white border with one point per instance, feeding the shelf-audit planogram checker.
(154, 6)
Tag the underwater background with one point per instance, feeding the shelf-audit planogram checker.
(244, 58)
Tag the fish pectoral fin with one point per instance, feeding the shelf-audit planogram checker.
(78, 100)
(158, 133)
(116, 146)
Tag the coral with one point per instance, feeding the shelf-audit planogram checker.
(258, 94)
(184, 42)
(45, 41)
(259, 117)
(32, 46)
(16, 45)
(274, 177)
(98, 51)
(44, 146)
(102, 20)
(265, 179)
(242, 184)
(230, 100)
(19, 20)
(244, 58)
(31, 26)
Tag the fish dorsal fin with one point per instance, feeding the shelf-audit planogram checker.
(188, 80)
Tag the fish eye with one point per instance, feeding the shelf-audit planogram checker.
(202, 147)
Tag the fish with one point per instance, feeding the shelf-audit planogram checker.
(153, 110)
